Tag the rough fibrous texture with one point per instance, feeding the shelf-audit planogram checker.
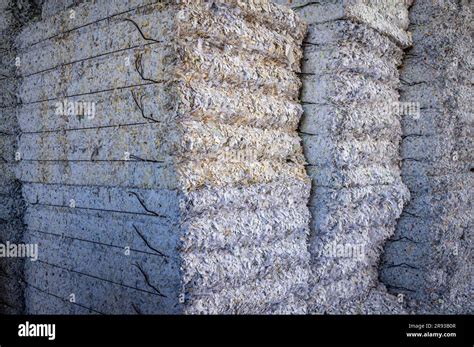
(192, 161)
(13, 15)
(351, 134)
(241, 164)
(430, 257)
(220, 156)
(102, 203)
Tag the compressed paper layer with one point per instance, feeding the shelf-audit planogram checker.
(241, 163)
(191, 157)
(97, 173)
(429, 260)
(13, 15)
(351, 134)
(159, 143)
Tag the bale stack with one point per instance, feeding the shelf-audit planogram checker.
(430, 258)
(102, 196)
(13, 14)
(186, 191)
(10, 193)
(242, 165)
(351, 133)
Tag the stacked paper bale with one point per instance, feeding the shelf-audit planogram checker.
(430, 258)
(10, 196)
(13, 14)
(241, 164)
(351, 133)
(191, 162)
(103, 203)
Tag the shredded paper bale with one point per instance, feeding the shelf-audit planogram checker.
(241, 164)
(351, 136)
(236, 156)
(190, 160)
(429, 261)
(12, 17)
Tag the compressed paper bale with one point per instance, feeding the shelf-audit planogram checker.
(270, 77)
(130, 174)
(429, 96)
(209, 172)
(439, 176)
(229, 69)
(7, 148)
(417, 69)
(11, 203)
(39, 302)
(11, 230)
(395, 10)
(7, 188)
(117, 231)
(439, 186)
(413, 255)
(212, 24)
(213, 141)
(8, 173)
(10, 208)
(409, 276)
(9, 125)
(433, 205)
(380, 300)
(437, 147)
(104, 223)
(242, 265)
(421, 14)
(278, 18)
(376, 300)
(52, 280)
(263, 295)
(10, 289)
(351, 133)
(7, 98)
(208, 118)
(347, 32)
(314, 12)
(52, 7)
(378, 18)
(234, 106)
(432, 121)
(441, 167)
(410, 228)
(436, 183)
(258, 196)
(345, 272)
